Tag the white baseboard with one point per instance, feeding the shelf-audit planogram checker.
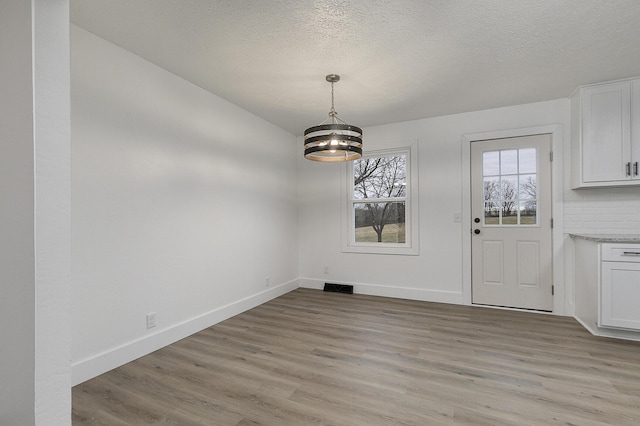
(391, 291)
(585, 325)
(610, 332)
(93, 366)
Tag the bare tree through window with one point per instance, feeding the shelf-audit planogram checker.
(379, 195)
(491, 193)
(510, 187)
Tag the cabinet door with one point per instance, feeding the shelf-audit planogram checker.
(606, 132)
(620, 295)
(635, 129)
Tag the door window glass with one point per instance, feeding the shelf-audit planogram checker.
(510, 187)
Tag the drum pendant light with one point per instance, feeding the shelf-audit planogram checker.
(333, 139)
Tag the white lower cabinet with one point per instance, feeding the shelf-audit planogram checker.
(620, 286)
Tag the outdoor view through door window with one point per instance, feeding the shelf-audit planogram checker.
(379, 199)
(509, 187)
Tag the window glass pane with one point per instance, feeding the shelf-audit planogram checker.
(491, 163)
(509, 187)
(511, 218)
(379, 222)
(527, 160)
(509, 204)
(491, 188)
(509, 212)
(528, 213)
(491, 213)
(509, 162)
(380, 177)
(528, 187)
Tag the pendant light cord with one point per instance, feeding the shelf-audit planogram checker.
(333, 112)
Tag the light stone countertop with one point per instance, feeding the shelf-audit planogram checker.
(609, 238)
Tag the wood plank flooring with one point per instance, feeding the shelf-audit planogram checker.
(316, 358)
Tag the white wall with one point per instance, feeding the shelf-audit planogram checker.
(53, 212)
(17, 257)
(182, 205)
(438, 273)
(34, 213)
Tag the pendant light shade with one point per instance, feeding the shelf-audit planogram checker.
(333, 139)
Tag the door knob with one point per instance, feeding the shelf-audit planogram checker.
(477, 231)
(476, 220)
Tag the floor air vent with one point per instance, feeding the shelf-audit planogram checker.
(338, 288)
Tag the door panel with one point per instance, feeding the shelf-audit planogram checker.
(528, 263)
(492, 262)
(511, 208)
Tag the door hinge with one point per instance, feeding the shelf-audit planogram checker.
(551, 223)
(553, 290)
(551, 156)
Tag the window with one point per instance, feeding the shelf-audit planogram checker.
(380, 196)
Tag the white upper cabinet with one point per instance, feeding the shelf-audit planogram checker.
(606, 135)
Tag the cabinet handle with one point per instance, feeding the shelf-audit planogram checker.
(635, 168)
(631, 253)
(629, 169)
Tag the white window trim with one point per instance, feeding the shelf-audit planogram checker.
(411, 247)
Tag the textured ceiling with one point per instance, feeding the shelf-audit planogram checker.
(399, 60)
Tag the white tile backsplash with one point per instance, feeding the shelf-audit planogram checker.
(602, 211)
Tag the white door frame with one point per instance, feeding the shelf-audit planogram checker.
(562, 297)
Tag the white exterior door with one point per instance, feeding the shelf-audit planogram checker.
(511, 246)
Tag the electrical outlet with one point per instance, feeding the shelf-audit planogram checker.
(267, 281)
(326, 269)
(151, 320)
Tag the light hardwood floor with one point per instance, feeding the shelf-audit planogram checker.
(316, 358)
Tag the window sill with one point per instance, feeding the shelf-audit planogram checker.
(392, 249)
